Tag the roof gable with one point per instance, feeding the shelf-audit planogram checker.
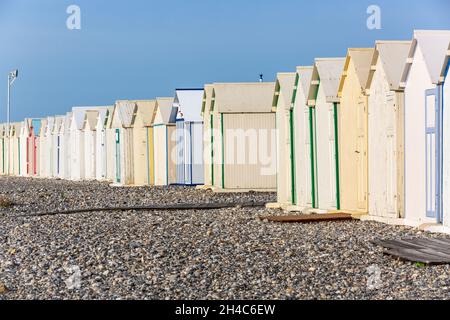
(361, 58)
(327, 74)
(145, 110)
(165, 113)
(207, 95)
(304, 74)
(284, 88)
(434, 45)
(445, 67)
(189, 104)
(248, 97)
(392, 55)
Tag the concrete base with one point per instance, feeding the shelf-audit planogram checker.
(220, 190)
(387, 220)
(293, 208)
(273, 205)
(427, 227)
(202, 187)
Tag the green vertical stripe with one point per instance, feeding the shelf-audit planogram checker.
(293, 193)
(223, 153)
(147, 145)
(336, 151)
(212, 149)
(311, 137)
(18, 143)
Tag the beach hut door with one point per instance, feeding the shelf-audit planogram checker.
(118, 155)
(361, 153)
(433, 154)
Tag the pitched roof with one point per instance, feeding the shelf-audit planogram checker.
(165, 113)
(207, 94)
(284, 87)
(43, 127)
(392, 55)
(327, 74)
(189, 104)
(362, 60)
(434, 45)
(124, 109)
(90, 119)
(50, 125)
(445, 67)
(304, 81)
(103, 115)
(57, 125)
(248, 97)
(146, 110)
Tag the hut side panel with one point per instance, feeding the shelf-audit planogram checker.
(250, 151)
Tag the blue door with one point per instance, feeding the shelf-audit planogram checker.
(180, 147)
(433, 154)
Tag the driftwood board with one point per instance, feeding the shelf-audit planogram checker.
(428, 251)
(308, 218)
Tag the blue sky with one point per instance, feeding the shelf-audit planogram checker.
(139, 49)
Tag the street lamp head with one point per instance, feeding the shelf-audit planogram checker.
(14, 74)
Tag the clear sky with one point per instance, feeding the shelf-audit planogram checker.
(139, 49)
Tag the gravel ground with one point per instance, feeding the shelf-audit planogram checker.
(218, 254)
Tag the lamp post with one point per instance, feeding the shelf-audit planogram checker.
(12, 76)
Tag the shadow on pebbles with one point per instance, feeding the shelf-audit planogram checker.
(195, 254)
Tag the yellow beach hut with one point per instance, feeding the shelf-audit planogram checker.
(353, 131)
(143, 142)
(164, 139)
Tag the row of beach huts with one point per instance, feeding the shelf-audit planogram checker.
(367, 134)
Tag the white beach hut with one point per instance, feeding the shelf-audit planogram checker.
(90, 143)
(64, 146)
(23, 145)
(15, 162)
(282, 102)
(164, 142)
(50, 147)
(301, 120)
(101, 165)
(123, 142)
(189, 136)
(385, 125)
(207, 145)
(422, 81)
(110, 149)
(77, 163)
(42, 149)
(43, 153)
(56, 146)
(324, 103)
(446, 142)
(3, 149)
